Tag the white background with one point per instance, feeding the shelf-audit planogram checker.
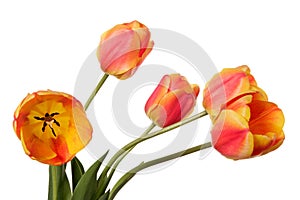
(44, 43)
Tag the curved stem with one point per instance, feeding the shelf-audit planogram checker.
(128, 151)
(148, 136)
(115, 161)
(95, 91)
(129, 175)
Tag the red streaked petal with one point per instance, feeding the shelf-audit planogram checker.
(231, 135)
(172, 100)
(144, 52)
(158, 93)
(124, 44)
(224, 86)
(177, 106)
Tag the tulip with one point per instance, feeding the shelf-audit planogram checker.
(245, 123)
(172, 100)
(226, 87)
(52, 126)
(238, 138)
(123, 48)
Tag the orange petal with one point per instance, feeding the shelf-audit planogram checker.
(231, 135)
(126, 74)
(196, 89)
(123, 64)
(114, 31)
(262, 143)
(240, 105)
(279, 140)
(265, 117)
(36, 148)
(259, 94)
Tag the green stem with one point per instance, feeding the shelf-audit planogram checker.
(53, 183)
(129, 175)
(148, 136)
(115, 160)
(86, 106)
(128, 151)
(59, 187)
(97, 88)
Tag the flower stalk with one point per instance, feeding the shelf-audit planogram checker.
(147, 131)
(141, 139)
(130, 174)
(95, 91)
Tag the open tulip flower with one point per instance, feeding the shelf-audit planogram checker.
(238, 138)
(172, 100)
(245, 124)
(123, 48)
(52, 126)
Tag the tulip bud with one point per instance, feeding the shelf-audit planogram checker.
(172, 100)
(123, 48)
(52, 126)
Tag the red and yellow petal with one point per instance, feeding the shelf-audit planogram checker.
(172, 100)
(262, 143)
(224, 86)
(157, 95)
(166, 111)
(231, 135)
(144, 52)
(123, 48)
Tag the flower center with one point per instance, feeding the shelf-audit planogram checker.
(48, 120)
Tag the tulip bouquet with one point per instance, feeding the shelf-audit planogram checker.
(53, 126)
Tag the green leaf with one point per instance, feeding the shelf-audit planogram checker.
(59, 186)
(103, 182)
(105, 196)
(77, 171)
(87, 185)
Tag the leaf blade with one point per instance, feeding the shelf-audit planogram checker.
(105, 196)
(77, 171)
(87, 185)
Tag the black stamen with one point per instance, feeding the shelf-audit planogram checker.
(56, 122)
(52, 131)
(44, 126)
(48, 120)
(53, 114)
(39, 118)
